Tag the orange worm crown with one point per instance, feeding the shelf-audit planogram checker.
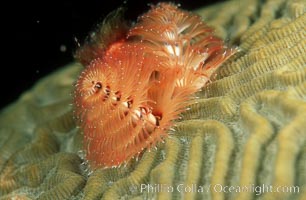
(132, 89)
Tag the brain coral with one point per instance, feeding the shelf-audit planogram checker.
(247, 129)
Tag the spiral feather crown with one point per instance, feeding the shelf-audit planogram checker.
(134, 88)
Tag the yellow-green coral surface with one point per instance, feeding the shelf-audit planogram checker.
(246, 131)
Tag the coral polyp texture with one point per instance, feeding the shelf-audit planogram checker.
(127, 97)
(245, 130)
